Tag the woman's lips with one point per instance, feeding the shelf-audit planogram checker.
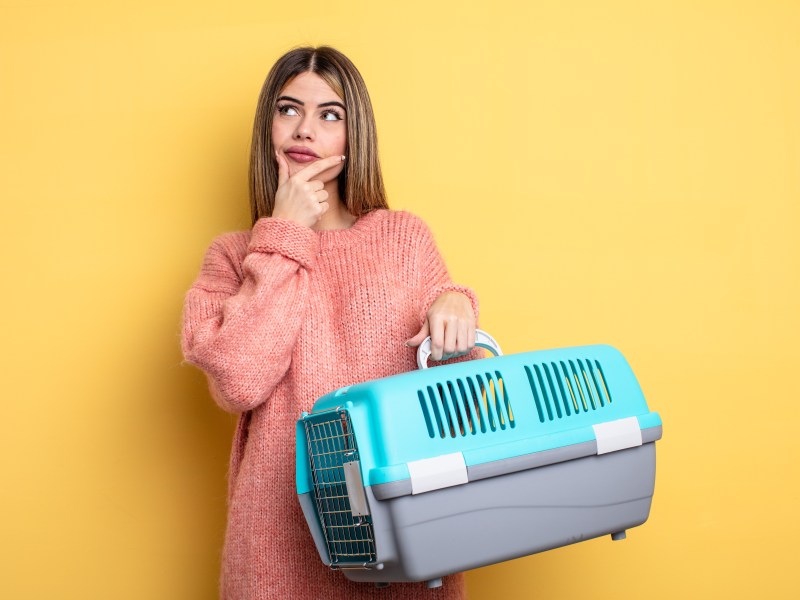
(301, 158)
(301, 154)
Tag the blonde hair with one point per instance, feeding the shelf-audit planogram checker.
(360, 182)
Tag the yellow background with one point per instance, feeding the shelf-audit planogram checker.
(618, 172)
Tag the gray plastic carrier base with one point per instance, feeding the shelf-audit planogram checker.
(430, 535)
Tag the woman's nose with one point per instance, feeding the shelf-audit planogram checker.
(304, 129)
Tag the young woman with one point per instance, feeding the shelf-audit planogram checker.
(327, 289)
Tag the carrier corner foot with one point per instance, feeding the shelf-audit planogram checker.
(619, 535)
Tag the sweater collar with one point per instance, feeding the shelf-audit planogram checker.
(336, 238)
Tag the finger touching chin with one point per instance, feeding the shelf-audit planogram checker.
(331, 173)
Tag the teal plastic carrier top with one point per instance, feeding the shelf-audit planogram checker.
(488, 410)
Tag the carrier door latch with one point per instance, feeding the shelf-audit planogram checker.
(355, 488)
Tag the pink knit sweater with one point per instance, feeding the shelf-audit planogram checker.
(279, 316)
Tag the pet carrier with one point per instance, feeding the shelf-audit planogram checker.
(432, 472)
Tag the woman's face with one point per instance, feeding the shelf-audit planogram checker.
(310, 117)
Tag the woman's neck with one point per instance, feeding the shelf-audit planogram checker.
(337, 216)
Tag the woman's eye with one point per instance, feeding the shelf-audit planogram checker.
(288, 110)
(331, 115)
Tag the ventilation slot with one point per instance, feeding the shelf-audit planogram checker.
(536, 395)
(471, 397)
(578, 386)
(436, 412)
(567, 388)
(466, 406)
(501, 386)
(424, 406)
(602, 379)
(557, 388)
(462, 404)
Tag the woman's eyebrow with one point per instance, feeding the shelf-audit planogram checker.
(301, 103)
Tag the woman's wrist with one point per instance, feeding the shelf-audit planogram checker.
(286, 237)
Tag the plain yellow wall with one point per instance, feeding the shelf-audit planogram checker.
(618, 172)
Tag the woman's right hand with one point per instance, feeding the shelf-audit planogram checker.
(300, 198)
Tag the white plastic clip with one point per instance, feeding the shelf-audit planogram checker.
(617, 435)
(438, 472)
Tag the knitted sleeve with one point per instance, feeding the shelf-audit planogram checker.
(241, 319)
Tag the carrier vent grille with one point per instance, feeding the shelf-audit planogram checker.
(331, 443)
(568, 387)
(461, 407)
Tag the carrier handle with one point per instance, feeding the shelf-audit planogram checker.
(482, 339)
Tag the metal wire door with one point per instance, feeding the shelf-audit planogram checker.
(331, 444)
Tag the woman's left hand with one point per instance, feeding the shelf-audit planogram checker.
(450, 322)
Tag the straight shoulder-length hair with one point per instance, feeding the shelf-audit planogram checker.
(360, 182)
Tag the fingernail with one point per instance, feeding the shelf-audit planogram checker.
(343, 157)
